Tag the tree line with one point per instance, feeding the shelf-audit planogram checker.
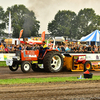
(65, 22)
(74, 25)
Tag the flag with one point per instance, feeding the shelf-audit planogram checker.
(43, 35)
(21, 32)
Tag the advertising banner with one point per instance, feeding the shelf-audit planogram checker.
(4, 56)
(89, 56)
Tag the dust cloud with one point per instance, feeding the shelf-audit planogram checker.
(45, 10)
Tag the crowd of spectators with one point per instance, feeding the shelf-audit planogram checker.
(78, 48)
(72, 48)
(4, 48)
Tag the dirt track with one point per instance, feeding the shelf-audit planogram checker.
(48, 91)
(5, 73)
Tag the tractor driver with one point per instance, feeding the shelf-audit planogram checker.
(44, 44)
(43, 49)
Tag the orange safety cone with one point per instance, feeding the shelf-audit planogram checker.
(86, 72)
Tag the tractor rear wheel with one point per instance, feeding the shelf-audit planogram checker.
(87, 66)
(25, 66)
(14, 67)
(53, 61)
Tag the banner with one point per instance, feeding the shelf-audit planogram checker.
(89, 56)
(4, 56)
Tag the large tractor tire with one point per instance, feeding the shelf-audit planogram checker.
(87, 66)
(25, 66)
(36, 68)
(53, 61)
(14, 67)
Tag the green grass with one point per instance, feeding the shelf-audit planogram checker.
(43, 80)
(3, 63)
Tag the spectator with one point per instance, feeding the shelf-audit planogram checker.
(72, 48)
(6, 49)
(55, 47)
(20, 48)
(50, 46)
(68, 49)
(89, 48)
(92, 50)
(59, 48)
(80, 49)
(84, 49)
(75, 49)
(62, 48)
(2, 47)
(99, 49)
(29, 47)
(4, 43)
(96, 49)
(12, 49)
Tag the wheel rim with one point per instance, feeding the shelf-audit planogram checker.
(55, 62)
(87, 66)
(26, 67)
(14, 67)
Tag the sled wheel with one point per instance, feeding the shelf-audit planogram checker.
(14, 67)
(26, 66)
(87, 66)
(53, 61)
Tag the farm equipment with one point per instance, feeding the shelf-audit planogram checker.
(81, 62)
(52, 60)
(76, 63)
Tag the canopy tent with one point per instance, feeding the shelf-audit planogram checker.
(94, 36)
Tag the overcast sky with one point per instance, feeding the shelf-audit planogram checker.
(45, 10)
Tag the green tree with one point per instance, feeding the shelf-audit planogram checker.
(87, 22)
(2, 22)
(22, 18)
(62, 24)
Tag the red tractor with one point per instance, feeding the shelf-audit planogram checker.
(52, 61)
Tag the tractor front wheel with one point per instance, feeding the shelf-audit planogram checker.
(14, 67)
(25, 66)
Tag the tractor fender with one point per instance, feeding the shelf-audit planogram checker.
(48, 50)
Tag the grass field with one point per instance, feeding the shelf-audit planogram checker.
(43, 80)
(2, 63)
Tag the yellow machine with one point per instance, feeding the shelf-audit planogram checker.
(79, 63)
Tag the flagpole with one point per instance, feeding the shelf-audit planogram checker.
(9, 22)
(9, 30)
